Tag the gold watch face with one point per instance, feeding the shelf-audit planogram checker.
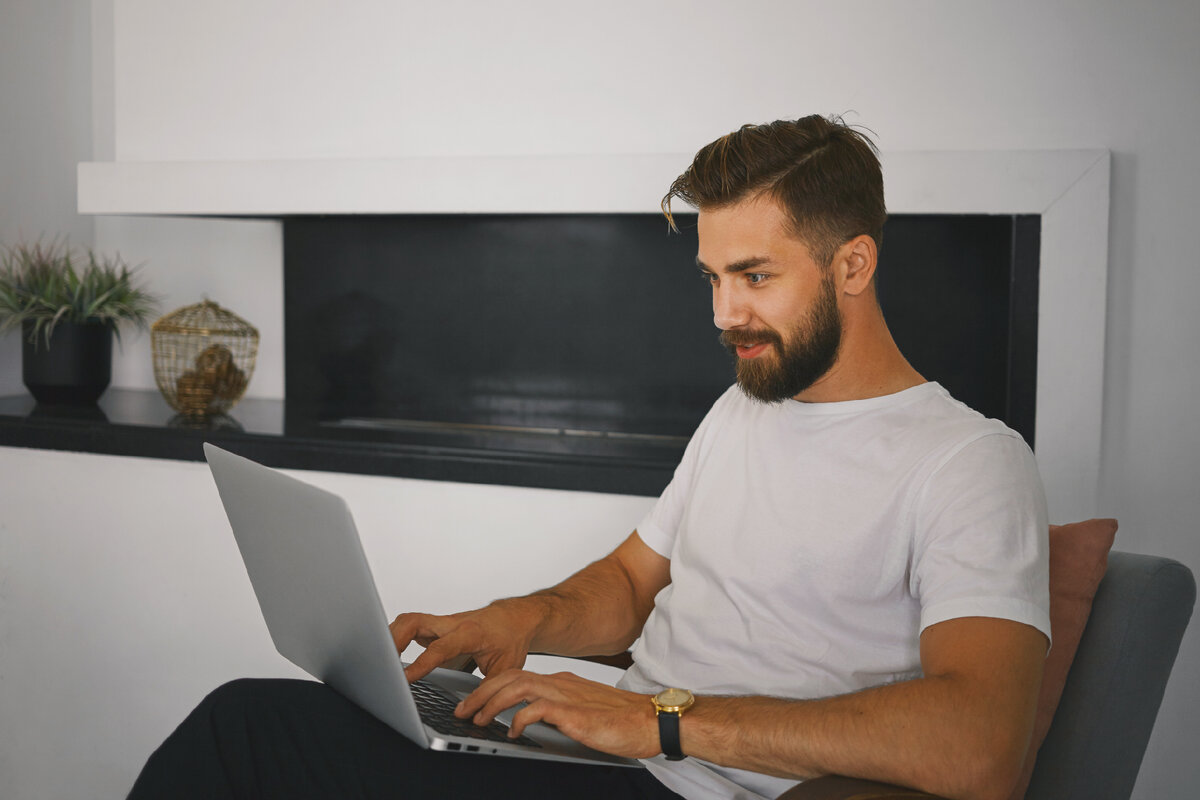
(673, 699)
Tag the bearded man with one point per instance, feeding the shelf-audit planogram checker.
(847, 573)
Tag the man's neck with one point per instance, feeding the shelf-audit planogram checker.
(869, 363)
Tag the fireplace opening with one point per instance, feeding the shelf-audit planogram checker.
(540, 340)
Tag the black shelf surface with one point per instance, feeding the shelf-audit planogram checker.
(133, 422)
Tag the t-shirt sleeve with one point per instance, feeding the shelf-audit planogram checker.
(659, 527)
(982, 538)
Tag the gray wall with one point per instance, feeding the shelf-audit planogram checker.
(46, 108)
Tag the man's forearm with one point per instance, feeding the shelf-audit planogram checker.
(599, 610)
(913, 734)
(961, 731)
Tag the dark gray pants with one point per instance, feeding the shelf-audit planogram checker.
(299, 739)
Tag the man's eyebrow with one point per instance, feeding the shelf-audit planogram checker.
(737, 266)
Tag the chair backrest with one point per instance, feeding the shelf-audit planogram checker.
(1099, 734)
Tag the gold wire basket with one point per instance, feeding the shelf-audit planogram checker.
(203, 358)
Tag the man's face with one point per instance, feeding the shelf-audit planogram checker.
(776, 307)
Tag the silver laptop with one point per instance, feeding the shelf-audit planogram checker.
(318, 598)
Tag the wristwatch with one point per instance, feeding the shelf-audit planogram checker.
(669, 705)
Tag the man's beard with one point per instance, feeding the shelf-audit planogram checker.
(797, 364)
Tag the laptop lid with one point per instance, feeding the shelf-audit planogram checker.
(315, 587)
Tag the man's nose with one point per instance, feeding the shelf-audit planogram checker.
(728, 310)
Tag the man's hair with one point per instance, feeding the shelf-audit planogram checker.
(825, 174)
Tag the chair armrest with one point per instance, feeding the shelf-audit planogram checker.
(836, 787)
(620, 661)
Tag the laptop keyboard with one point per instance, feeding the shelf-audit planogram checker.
(437, 711)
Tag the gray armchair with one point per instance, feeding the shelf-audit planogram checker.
(1095, 744)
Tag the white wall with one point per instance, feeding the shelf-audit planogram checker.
(238, 80)
(236, 263)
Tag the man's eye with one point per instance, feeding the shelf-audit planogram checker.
(708, 277)
(755, 277)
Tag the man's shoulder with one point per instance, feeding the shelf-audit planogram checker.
(937, 402)
(948, 418)
(939, 427)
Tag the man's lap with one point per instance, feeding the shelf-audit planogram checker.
(300, 739)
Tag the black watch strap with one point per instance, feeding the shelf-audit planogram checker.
(668, 735)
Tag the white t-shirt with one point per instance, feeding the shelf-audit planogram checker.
(811, 543)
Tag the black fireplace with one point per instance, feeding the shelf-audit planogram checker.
(577, 350)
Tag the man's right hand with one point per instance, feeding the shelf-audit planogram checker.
(497, 637)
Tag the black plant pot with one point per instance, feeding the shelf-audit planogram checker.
(75, 369)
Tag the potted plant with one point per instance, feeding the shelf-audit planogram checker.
(68, 314)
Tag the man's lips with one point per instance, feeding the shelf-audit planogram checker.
(748, 344)
(751, 350)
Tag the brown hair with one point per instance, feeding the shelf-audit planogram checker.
(825, 173)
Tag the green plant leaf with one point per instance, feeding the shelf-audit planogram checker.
(42, 283)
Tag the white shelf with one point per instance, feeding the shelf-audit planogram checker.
(535, 185)
(932, 182)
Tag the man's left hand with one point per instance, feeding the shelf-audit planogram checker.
(603, 717)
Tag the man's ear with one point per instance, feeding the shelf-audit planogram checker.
(856, 261)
